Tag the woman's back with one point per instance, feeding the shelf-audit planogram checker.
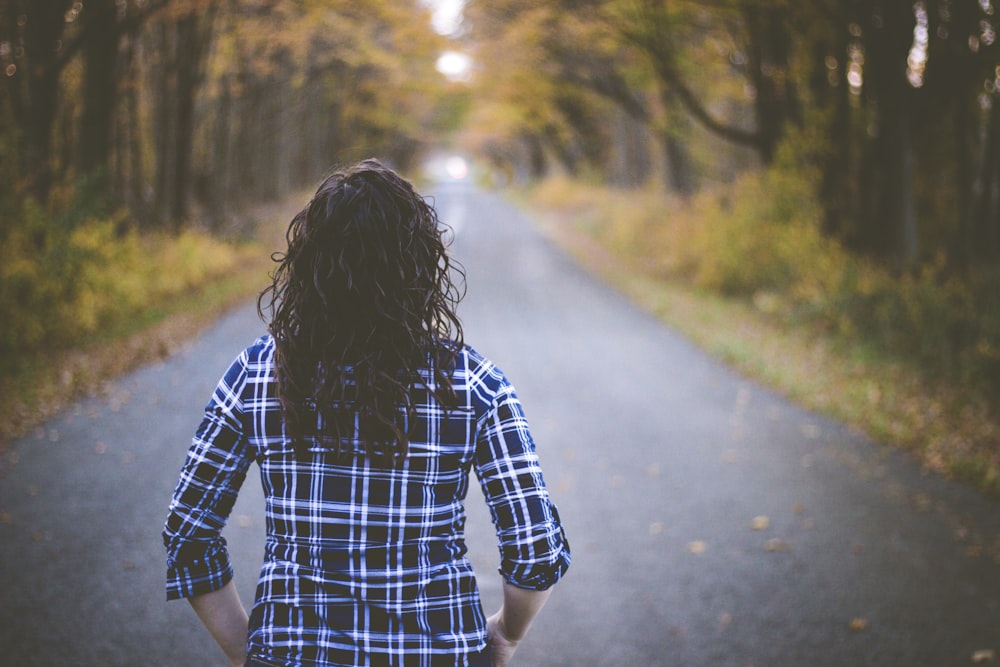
(365, 425)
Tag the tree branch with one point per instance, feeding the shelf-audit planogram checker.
(651, 34)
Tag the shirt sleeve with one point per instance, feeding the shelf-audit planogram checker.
(213, 472)
(534, 551)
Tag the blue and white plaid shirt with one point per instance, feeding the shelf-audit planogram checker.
(364, 564)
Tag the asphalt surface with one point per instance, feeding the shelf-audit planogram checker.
(712, 522)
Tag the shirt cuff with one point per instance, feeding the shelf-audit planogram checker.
(200, 576)
(539, 574)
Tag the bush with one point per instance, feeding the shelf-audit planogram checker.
(760, 239)
(61, 284)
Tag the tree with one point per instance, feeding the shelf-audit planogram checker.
(105, 24)
(34, 57)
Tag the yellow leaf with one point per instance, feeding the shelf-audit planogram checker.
(760, 523)
(775, 544)
(858, 624)
(697, 547)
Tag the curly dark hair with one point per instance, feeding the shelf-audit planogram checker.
(362, 308)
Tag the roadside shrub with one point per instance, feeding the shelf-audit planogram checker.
(61, 284)
(759, 239)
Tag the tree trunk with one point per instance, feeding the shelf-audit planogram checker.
(100, 52)
(892, 234)
(218, 192)
(987, 227)
(630, 163)
(164, 121)
(43, 35)
(187, 71)
(831, 91)
(962, 246)
(770, 48)
(680, 169)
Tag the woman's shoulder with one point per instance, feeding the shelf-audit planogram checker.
(261, 351)
(479, 370)
(470, 359)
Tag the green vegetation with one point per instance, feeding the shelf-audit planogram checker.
(137, 137)
(809, 189)
(913, 360)
(84, 300)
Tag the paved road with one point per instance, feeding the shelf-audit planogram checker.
(712, 523)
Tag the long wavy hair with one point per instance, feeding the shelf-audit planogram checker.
(362, 309)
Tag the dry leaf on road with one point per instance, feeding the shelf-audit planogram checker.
(775, 544)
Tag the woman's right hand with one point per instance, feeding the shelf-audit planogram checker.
(502, 648)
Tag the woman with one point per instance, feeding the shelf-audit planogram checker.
(365, 412)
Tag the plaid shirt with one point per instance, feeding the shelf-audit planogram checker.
(364, 564)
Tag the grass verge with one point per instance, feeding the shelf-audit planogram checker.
(951, 429)
(43, 384)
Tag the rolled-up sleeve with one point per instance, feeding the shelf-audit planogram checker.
(213, 472)
(534, 551)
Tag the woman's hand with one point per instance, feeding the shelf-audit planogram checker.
(502, 647)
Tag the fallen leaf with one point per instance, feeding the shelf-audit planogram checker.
(656, 528)
(858, 624)
(760, 523)
(697, 547)
(984, 655)
(774, 544)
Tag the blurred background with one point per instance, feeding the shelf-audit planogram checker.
(831, 166)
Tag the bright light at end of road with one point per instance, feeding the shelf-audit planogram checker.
(454, 65)
(456, 167)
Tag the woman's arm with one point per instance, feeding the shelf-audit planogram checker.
(222, 613)
(508, 626)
